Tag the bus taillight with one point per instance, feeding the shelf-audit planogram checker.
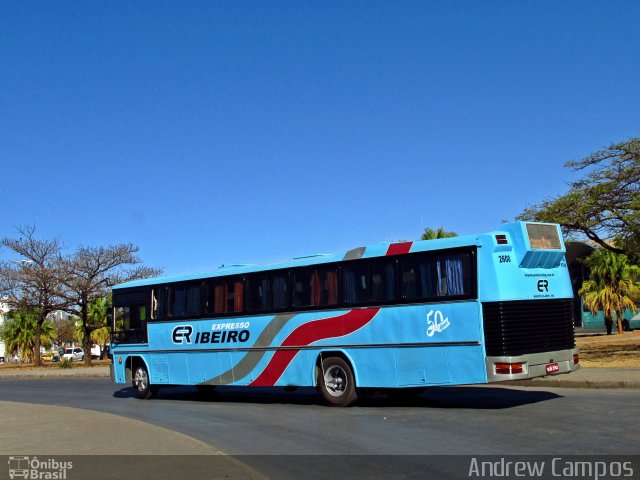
(508, 368)
(576, 359)
(502, 240)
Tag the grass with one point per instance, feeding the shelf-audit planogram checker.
(65, 363)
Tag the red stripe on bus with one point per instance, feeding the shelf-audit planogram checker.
(308, 333)
(399, 248)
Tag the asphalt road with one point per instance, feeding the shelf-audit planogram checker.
(453, 420)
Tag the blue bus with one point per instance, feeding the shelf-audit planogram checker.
(464, 310)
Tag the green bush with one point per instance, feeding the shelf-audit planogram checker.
(66, 363)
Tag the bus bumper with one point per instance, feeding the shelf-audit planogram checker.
(532, 365)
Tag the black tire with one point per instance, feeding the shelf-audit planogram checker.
(625, 326)
(336, 382)
(140, 381)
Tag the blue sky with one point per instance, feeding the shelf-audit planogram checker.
(251, 132)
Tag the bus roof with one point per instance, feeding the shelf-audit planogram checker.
(371, 251)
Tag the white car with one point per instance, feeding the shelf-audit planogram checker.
(73, 354)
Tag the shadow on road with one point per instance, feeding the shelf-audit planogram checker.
(469, 397)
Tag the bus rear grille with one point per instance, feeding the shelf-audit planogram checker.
(528, 326)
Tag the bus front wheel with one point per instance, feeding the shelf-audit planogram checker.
(336, 382)
(143, 388)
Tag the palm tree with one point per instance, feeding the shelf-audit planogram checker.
(19, 332)
(431, 234)
(612, 287)
(98, 320)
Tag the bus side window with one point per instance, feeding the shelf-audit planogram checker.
(157, 303)
(279, 291)
(185, 300)
(454, 274)
(236, 295)
(383, 281)
(141, 311)
(123, 318)
(301, 281)
(327, 286)
(131, 318)
(315, 287)
(218, 304)
(357, 282)
(419, 277)
(410, 280)
(193, 304)
(176, 301)
(258, 292)
(429, 276)
(225, 296)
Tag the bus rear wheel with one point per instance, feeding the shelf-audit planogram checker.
(336, 382)
(144, 390)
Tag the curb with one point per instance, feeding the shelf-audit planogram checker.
(552, 382)
(94, 372)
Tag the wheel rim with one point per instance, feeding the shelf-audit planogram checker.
(141, 380)
(335, 380)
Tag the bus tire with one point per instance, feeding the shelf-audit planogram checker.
(336, 382)
(625, 325)
(140, 380)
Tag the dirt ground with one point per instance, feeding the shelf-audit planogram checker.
(610, 351)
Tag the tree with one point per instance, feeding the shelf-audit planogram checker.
(612, 287)
(98, 316)
(430, 234)
(19, 333)
(88, 274)
(604, 204)
(34, 282)
(65, 329)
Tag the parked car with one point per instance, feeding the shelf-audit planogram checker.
(73, 354)
(95, 352)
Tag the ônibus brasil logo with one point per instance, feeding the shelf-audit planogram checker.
(220, 333)
(32, 468)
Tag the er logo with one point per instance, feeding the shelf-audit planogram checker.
(182, 334)
(543, 285)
